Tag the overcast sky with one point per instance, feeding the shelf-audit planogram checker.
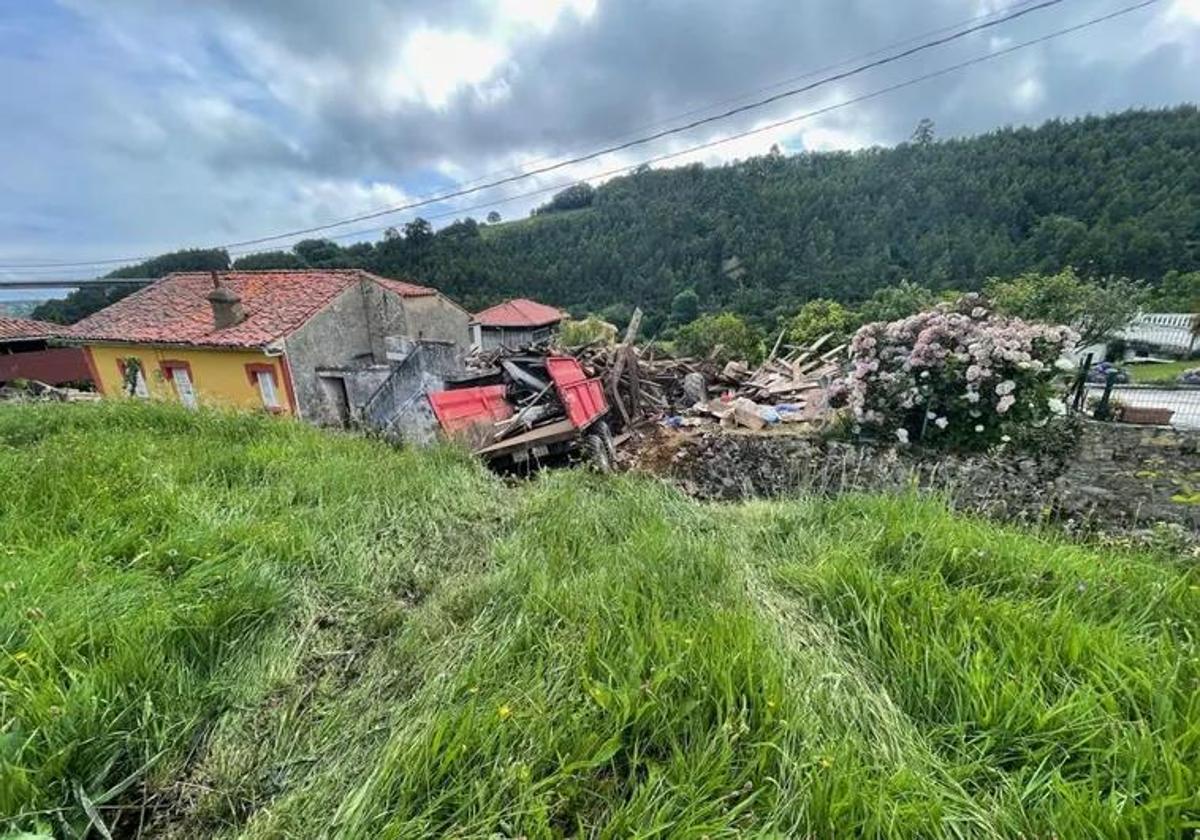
(138, 126)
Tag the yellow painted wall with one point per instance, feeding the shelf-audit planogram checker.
(218, 376)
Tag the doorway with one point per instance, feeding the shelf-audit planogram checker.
(334, 389)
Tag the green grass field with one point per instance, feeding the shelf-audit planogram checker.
(1160, 371)
(233, 626)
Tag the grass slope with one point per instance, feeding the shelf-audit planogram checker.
(221, 625)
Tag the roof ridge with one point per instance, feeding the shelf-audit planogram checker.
(210, 271)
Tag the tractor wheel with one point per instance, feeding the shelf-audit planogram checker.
(596, 450)
(605, 432)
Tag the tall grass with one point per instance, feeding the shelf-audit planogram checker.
(219, 625)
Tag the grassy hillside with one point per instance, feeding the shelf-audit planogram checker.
(239, 627)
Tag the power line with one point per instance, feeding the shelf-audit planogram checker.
(617, 147)
(791, 120)
(745, 94)
(87, 267)
(788, 121)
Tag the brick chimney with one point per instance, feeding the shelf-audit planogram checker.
(226, 305)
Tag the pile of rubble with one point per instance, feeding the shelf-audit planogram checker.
(785, 388)
(32, 390)
(643, 387)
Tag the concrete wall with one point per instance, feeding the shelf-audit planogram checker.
(436, 318)
(399, 409)
(386, 313)
(337, 336)
(347, 340)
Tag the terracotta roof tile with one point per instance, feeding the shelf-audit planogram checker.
(175, 309)
(519, 312)
(403, 287)
(18, 329)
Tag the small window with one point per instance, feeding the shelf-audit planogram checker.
(179, 374)
(135, 386)
(262, 377)
(266, 388)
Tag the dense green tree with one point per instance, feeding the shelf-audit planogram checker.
(685, 306)
(418, 232)
(319, 252)
(617, 313)
(724, 337)
(1178, 292)
(819, 317)
(892, 303)
(923, 134)
(574, 197)
(269, 259)
(1095, 309)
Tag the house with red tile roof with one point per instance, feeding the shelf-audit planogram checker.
(514, 324)
(27, 352)
(311, 343)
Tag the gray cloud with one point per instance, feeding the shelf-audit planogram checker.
(156, 125)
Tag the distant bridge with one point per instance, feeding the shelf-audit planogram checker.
(42, 283)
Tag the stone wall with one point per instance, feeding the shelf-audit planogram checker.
(437, 318)
(399, 409)
(1115, 478)
(337, 336)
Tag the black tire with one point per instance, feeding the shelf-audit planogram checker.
(596, 452)
(605, 432)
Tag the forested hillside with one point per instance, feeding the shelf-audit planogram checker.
(1115, 195)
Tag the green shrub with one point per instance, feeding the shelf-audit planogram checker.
(725, 337)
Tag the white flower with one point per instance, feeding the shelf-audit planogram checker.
(929, 415)
(1006, 387)
(1005, 438)
(978, 429)
(941, 422)
(1063, 363)
(1056, 406)
(902, 434)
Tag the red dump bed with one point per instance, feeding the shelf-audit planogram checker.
(464, 407)
(582, 397)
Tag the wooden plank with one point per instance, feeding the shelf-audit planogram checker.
(778, 341)
(550, 433)
(635, 323)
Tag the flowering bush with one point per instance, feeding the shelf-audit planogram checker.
(954, 375)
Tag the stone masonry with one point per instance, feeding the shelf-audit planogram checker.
(1115, 478)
